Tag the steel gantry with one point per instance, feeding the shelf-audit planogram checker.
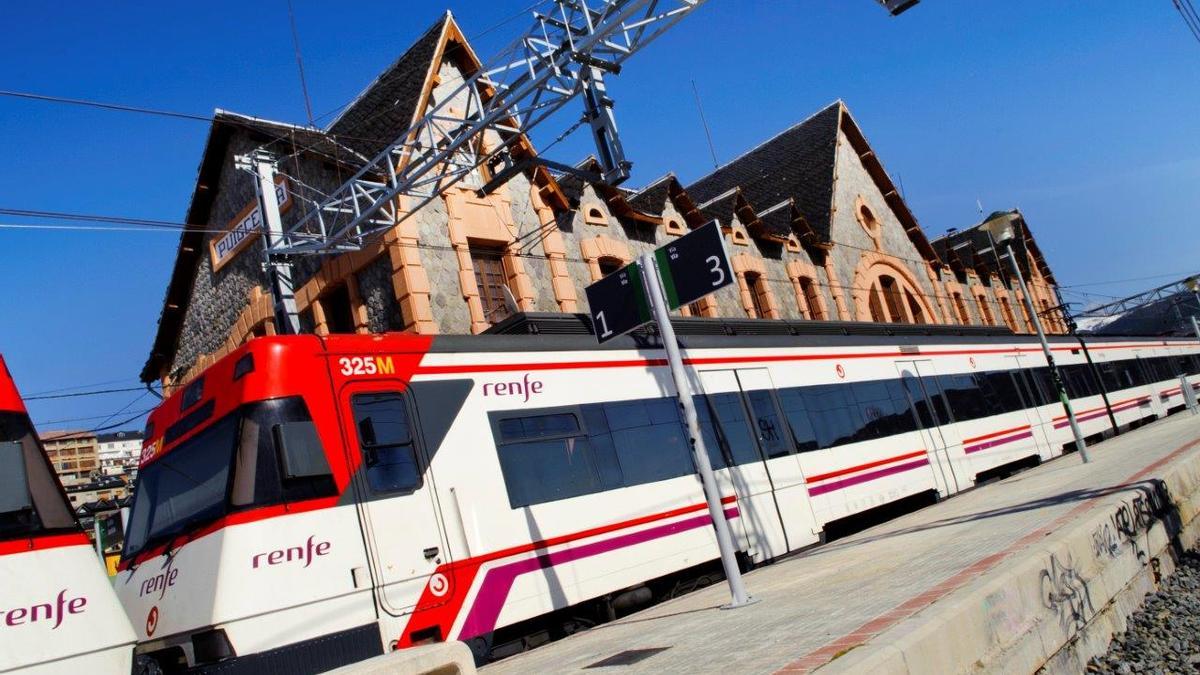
(567, 52)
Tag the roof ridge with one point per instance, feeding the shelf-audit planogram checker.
(440, 25)
(770, 140)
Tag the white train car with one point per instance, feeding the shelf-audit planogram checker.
(58, 613)
(354, 494)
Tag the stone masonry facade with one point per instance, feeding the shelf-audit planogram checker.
(826, 239)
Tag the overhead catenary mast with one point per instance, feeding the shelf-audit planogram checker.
(567, 52)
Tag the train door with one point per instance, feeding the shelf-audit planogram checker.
(1157, 407)
(395, 493)
(725, 413)
(778, 450)
(942, 441)
(1032, 398)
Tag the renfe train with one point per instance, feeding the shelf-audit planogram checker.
(309, 501)
(58, 613)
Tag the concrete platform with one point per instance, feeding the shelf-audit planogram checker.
(1036, 570)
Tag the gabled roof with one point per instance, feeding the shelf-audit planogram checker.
(225, 125)
(383, 111)
(797, 164)
(388, 105)
(972, 248)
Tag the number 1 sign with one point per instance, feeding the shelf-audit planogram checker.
(694, 265)
(618, 303)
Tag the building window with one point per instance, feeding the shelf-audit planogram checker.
(758, 291)
(492, 282)
(890, 292)
(985, 311)
(961, 307)
(609, 265)
(1009, 318)
(812, 298)
(914, 307)
(339, 310)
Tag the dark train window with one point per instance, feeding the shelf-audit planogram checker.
(730, 439)
(1000, 389)
(834, 415)
(647, 436)
(769, 427)
(386, 439)
(966, 401)
(794, 408)
(548, 457)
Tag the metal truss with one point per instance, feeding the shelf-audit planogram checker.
(470, 133)
(1185, 285)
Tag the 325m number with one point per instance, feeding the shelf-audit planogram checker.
(366, 365)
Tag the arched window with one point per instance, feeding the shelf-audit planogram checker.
(890, 291)
(812, 298)
(960, 306)
(609, 265)
(914, 307)
(984, 310)
(1009, 318)
(758, 291)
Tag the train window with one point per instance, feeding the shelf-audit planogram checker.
(540, 426)
(549, 457)
(15, 500)
(279, 456)
(883, 408)
(769, 427)
(731, 434)
(834, 416)
(792, 401)
(386, 439)
(962, 391)
(999, 389)
(630, 427)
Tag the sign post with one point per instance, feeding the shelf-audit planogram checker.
(683, 271)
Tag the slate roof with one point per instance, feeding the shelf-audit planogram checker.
(797, 163)
(385, 108)
(971, 248)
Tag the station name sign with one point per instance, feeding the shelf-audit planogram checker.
(245, 227)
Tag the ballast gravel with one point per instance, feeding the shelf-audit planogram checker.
(1164, 635)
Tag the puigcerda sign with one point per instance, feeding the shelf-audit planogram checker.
(691, 267)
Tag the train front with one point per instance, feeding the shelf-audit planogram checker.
(240, 548)
(57, 611)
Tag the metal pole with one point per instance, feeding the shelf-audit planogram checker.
(662, 316)
(1196, 326)
(1189, 394)
(287, 318)
(1054, 374)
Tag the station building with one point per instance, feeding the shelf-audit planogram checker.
(815, 228)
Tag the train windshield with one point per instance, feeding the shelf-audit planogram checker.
(263, 453)
(31, 501)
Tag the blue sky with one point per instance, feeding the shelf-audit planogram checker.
(1084, 115)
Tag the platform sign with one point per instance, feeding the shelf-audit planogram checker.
(694, 265)
(618, 303)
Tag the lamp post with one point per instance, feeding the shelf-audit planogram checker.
(1002, 229)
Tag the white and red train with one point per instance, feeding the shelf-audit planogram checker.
(307, 501)
(58, 612)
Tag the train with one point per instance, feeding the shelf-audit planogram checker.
(58, 611)
(308, 501)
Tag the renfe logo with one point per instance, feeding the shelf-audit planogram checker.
(293, 553)
(523, 387)
(161, 581)
(45, 611)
